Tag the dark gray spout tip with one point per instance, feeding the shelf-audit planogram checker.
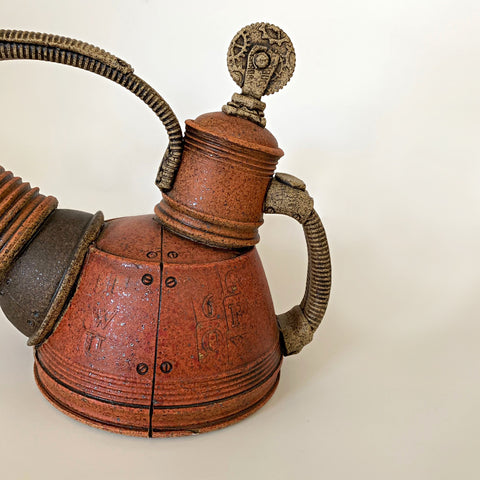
(42, 250)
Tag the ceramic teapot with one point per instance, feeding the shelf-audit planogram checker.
(163, 324)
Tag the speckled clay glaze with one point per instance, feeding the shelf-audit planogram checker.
(163, 324)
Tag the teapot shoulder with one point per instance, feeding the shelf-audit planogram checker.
(142, 238)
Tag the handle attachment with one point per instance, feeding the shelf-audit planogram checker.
(16, 44)
(287, 196)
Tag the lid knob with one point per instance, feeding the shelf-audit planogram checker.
(261, 60)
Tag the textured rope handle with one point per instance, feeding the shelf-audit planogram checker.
(287, 196)
(16, 44)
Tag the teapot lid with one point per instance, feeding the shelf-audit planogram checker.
(236, 130)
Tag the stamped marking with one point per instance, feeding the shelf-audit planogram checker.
(233, 309)
(102, 319)
(113, 285)
(93, 342)
(166, 367)
(231, 283)
(207, 306)
(142, 368)
(96, 327)
(109, 284)
(212, 340)
(237, 339)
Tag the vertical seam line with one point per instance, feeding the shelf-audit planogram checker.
(154, 376)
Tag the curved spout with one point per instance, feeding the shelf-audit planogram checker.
(41, 253)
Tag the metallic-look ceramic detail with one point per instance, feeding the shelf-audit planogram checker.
(287, 196)
(261, 60)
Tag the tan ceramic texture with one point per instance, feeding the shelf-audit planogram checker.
(261, 60)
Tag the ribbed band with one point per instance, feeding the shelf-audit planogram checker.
(22, 211)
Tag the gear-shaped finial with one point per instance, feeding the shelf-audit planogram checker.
(261, 60)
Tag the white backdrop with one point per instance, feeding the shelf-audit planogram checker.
(381, 119)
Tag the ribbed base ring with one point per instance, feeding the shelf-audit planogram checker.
(62, 398)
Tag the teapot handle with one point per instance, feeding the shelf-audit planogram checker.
(15, 44)
(287, 195)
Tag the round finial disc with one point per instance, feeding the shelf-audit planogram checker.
(272, 39)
